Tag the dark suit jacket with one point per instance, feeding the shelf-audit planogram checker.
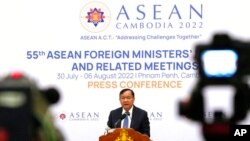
(139, 122)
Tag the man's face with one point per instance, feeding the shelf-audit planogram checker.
(127, 100)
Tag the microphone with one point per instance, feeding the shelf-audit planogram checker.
(127, 113)
(107, 130)
(120, 119)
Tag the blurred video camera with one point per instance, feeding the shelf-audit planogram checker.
(221, 96)
(24, 110)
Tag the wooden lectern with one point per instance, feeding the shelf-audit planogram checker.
(124, 134)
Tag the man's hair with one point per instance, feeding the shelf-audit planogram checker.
(124, 90)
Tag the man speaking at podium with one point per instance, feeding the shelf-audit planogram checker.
(128, 115)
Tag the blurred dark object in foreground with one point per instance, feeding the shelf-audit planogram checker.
(24, 110)
(223, 69)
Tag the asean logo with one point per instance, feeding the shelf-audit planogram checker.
(62, 116)
(95, 17)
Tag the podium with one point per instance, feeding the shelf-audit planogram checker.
(124, 134)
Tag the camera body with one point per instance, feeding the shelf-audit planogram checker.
(24, 110)
(223, 70)
(224, 59)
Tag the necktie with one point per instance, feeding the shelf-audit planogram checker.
(125, 122)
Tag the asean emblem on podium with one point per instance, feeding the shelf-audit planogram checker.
(124, 136)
